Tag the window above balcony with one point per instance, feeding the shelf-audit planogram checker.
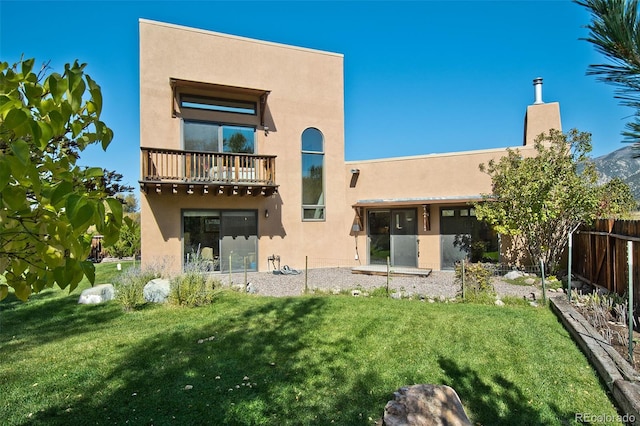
(213, 137)
(234, 100)
(216, 104)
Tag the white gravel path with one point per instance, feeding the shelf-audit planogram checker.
(437, 284)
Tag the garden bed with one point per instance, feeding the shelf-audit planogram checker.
(622, 380)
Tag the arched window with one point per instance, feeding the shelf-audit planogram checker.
(313, 205)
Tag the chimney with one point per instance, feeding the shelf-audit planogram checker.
(537, 86)
(540, 117)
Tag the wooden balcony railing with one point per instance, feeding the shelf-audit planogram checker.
(223, 172)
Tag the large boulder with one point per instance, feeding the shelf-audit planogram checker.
(425, 405)
(513, 275)
(97, 294)
(157, 290)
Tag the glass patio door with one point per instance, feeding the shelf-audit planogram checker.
(404, 238)
(379, 236)
(393, 233)
(221, 240)
(201, 238)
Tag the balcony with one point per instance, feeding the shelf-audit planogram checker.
(175, 171)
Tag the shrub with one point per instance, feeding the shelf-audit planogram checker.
(130, 285)
(478, 248)
(379, 292)
(193, 288)
(477, 278)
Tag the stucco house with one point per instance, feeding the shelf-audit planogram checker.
(242, 162)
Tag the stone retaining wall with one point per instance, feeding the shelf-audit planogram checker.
(621, 379)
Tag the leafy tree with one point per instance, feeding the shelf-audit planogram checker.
(616, 199)
(539, 200)
(128, 243)
(47, 201)
(615, 32)
(129, 203)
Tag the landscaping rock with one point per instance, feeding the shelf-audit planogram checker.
(355, 293)
(98, 294)
(157, 290)
(530, 281)
(251, 288)
(425, 405)
(499, 302)
(513, 275)
(577, 284)
(396, 295)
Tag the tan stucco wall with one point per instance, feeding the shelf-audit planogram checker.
(306, 90)
(539, 119)
(435, 180)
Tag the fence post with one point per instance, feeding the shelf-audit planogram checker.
(544, 290)
(464, 295)
(230, 268)
(388, 268)
(306, 274)
(630, 315)
(569, 265)
(245, 271)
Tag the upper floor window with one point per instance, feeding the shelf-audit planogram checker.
(216, 104)
(214, 137)
(313, 193)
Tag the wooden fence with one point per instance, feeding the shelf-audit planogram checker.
(600, 255)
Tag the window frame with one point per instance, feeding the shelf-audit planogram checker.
(314, 208)
(215, 104)
(220, 134)
(221, 215)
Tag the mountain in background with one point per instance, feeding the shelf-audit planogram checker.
(620, 163)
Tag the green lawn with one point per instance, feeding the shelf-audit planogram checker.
(284, 361)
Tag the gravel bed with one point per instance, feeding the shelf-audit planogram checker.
(438, 284)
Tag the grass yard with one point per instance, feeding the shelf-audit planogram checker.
(250, 360)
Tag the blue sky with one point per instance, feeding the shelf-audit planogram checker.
(420, 77)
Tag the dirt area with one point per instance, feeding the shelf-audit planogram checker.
(614, 332)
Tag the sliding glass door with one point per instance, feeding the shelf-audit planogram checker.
(393, 234)
(221, 240)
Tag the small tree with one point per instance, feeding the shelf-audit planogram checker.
(616, 199)
(538, 200)
(129, 203)
(47, 201)
(128, 243)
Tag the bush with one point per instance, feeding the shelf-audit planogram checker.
(128, 243)
(130, 285)
(379, 292)
(193, 288)
(477, 279)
